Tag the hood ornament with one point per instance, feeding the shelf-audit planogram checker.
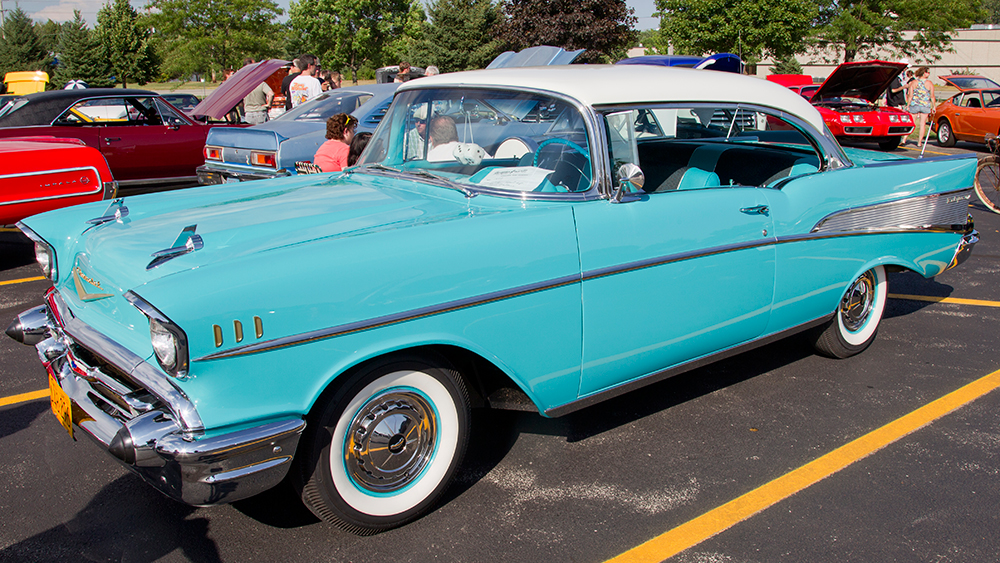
(186, 242)
(115, 212)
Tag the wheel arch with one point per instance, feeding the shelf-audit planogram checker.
(487, 382)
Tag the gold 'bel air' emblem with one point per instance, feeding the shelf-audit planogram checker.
(84, 285)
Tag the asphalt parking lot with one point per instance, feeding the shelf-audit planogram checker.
(740, 461)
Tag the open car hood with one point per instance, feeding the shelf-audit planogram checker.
(233, 90)
(970, 82)
(541, 55)
(866, 80)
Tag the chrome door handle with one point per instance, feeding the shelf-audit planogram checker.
(112, 139)
(759, 209)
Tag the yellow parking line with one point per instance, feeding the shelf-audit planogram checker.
(23, 397)
(22, 280)
(9, 230)
(917, 149)
(955, 300)
(733, 512)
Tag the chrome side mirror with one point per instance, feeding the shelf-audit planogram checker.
(630, 181)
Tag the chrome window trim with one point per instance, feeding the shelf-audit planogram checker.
(130, 363)
(98, 184)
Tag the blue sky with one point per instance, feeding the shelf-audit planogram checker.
(62, 10)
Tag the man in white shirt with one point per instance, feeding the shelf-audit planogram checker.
(305, 86)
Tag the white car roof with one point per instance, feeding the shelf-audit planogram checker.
(597, 85)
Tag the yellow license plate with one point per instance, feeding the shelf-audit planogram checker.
(61, 405)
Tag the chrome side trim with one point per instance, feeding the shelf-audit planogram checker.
(405, 316)
(98, 185)
(148, 181)
(387, 320)
(934, 211)
(679, 369)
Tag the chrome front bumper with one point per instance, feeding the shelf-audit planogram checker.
(964, 249)
(144, 421)
(208, 175)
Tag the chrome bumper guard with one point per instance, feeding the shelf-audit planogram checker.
(964, 249)
(124, 404)
(210, 175)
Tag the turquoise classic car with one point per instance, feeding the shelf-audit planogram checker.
(539, 238)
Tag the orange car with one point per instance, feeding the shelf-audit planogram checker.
(970, 114)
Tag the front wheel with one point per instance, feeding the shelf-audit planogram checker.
(385, 445)
(857, 318)
(946, 137)
(988, 182)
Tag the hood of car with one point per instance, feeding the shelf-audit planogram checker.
(970, 82)
(163, 234)
(866, 80)
(224, 98)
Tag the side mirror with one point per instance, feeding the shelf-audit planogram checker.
(630, 180)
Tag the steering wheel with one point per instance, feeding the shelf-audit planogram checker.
(571, 178)
(560, 141)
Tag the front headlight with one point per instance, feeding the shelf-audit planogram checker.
(168, 340)
(45, 255)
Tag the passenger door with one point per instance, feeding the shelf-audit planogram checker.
(671, 276)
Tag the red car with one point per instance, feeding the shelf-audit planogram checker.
(43, 173)
(147, 142)
(847, 100)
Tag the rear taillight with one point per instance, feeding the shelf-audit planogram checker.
(263, 159)
(213, 153)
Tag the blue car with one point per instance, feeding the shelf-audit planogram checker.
(271, 149)
(533, 238)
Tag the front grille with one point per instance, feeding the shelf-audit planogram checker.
(858, 130)
(898, 130)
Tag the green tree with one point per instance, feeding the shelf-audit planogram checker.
(787, 65)
(212, 35)
(605, 28)
(81, 56)
(20, 48)
(867, 28)
(352, 34)
(48, 35)
(458, 36)
(752, 29)
(650, 39)
(125, 43)
(991, 12)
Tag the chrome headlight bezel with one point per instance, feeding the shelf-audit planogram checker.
(45, 255)
(169, 341)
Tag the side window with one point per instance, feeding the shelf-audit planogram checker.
(100, 111)
(704, 146)
(167, 115)
(991, 99)
(142, 111)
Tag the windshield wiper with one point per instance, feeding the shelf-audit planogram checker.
(437, 180)
(446, 182)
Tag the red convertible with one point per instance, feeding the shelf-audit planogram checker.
(847, 101)
(147, 142)
(44, 173)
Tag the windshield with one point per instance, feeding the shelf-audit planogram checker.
(327, 105)
(485, 139)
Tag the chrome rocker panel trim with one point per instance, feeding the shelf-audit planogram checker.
(165, 443)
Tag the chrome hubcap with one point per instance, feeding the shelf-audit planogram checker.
(859, 301)
(390, 441)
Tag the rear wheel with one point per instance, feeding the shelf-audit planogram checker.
(988, 182)
(857, 318)
(383, 446)
(946, 137)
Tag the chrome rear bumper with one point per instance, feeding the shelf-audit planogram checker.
(135, 412)
(211, 175)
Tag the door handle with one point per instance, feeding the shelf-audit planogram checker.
(759, 209)
(112, 139)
